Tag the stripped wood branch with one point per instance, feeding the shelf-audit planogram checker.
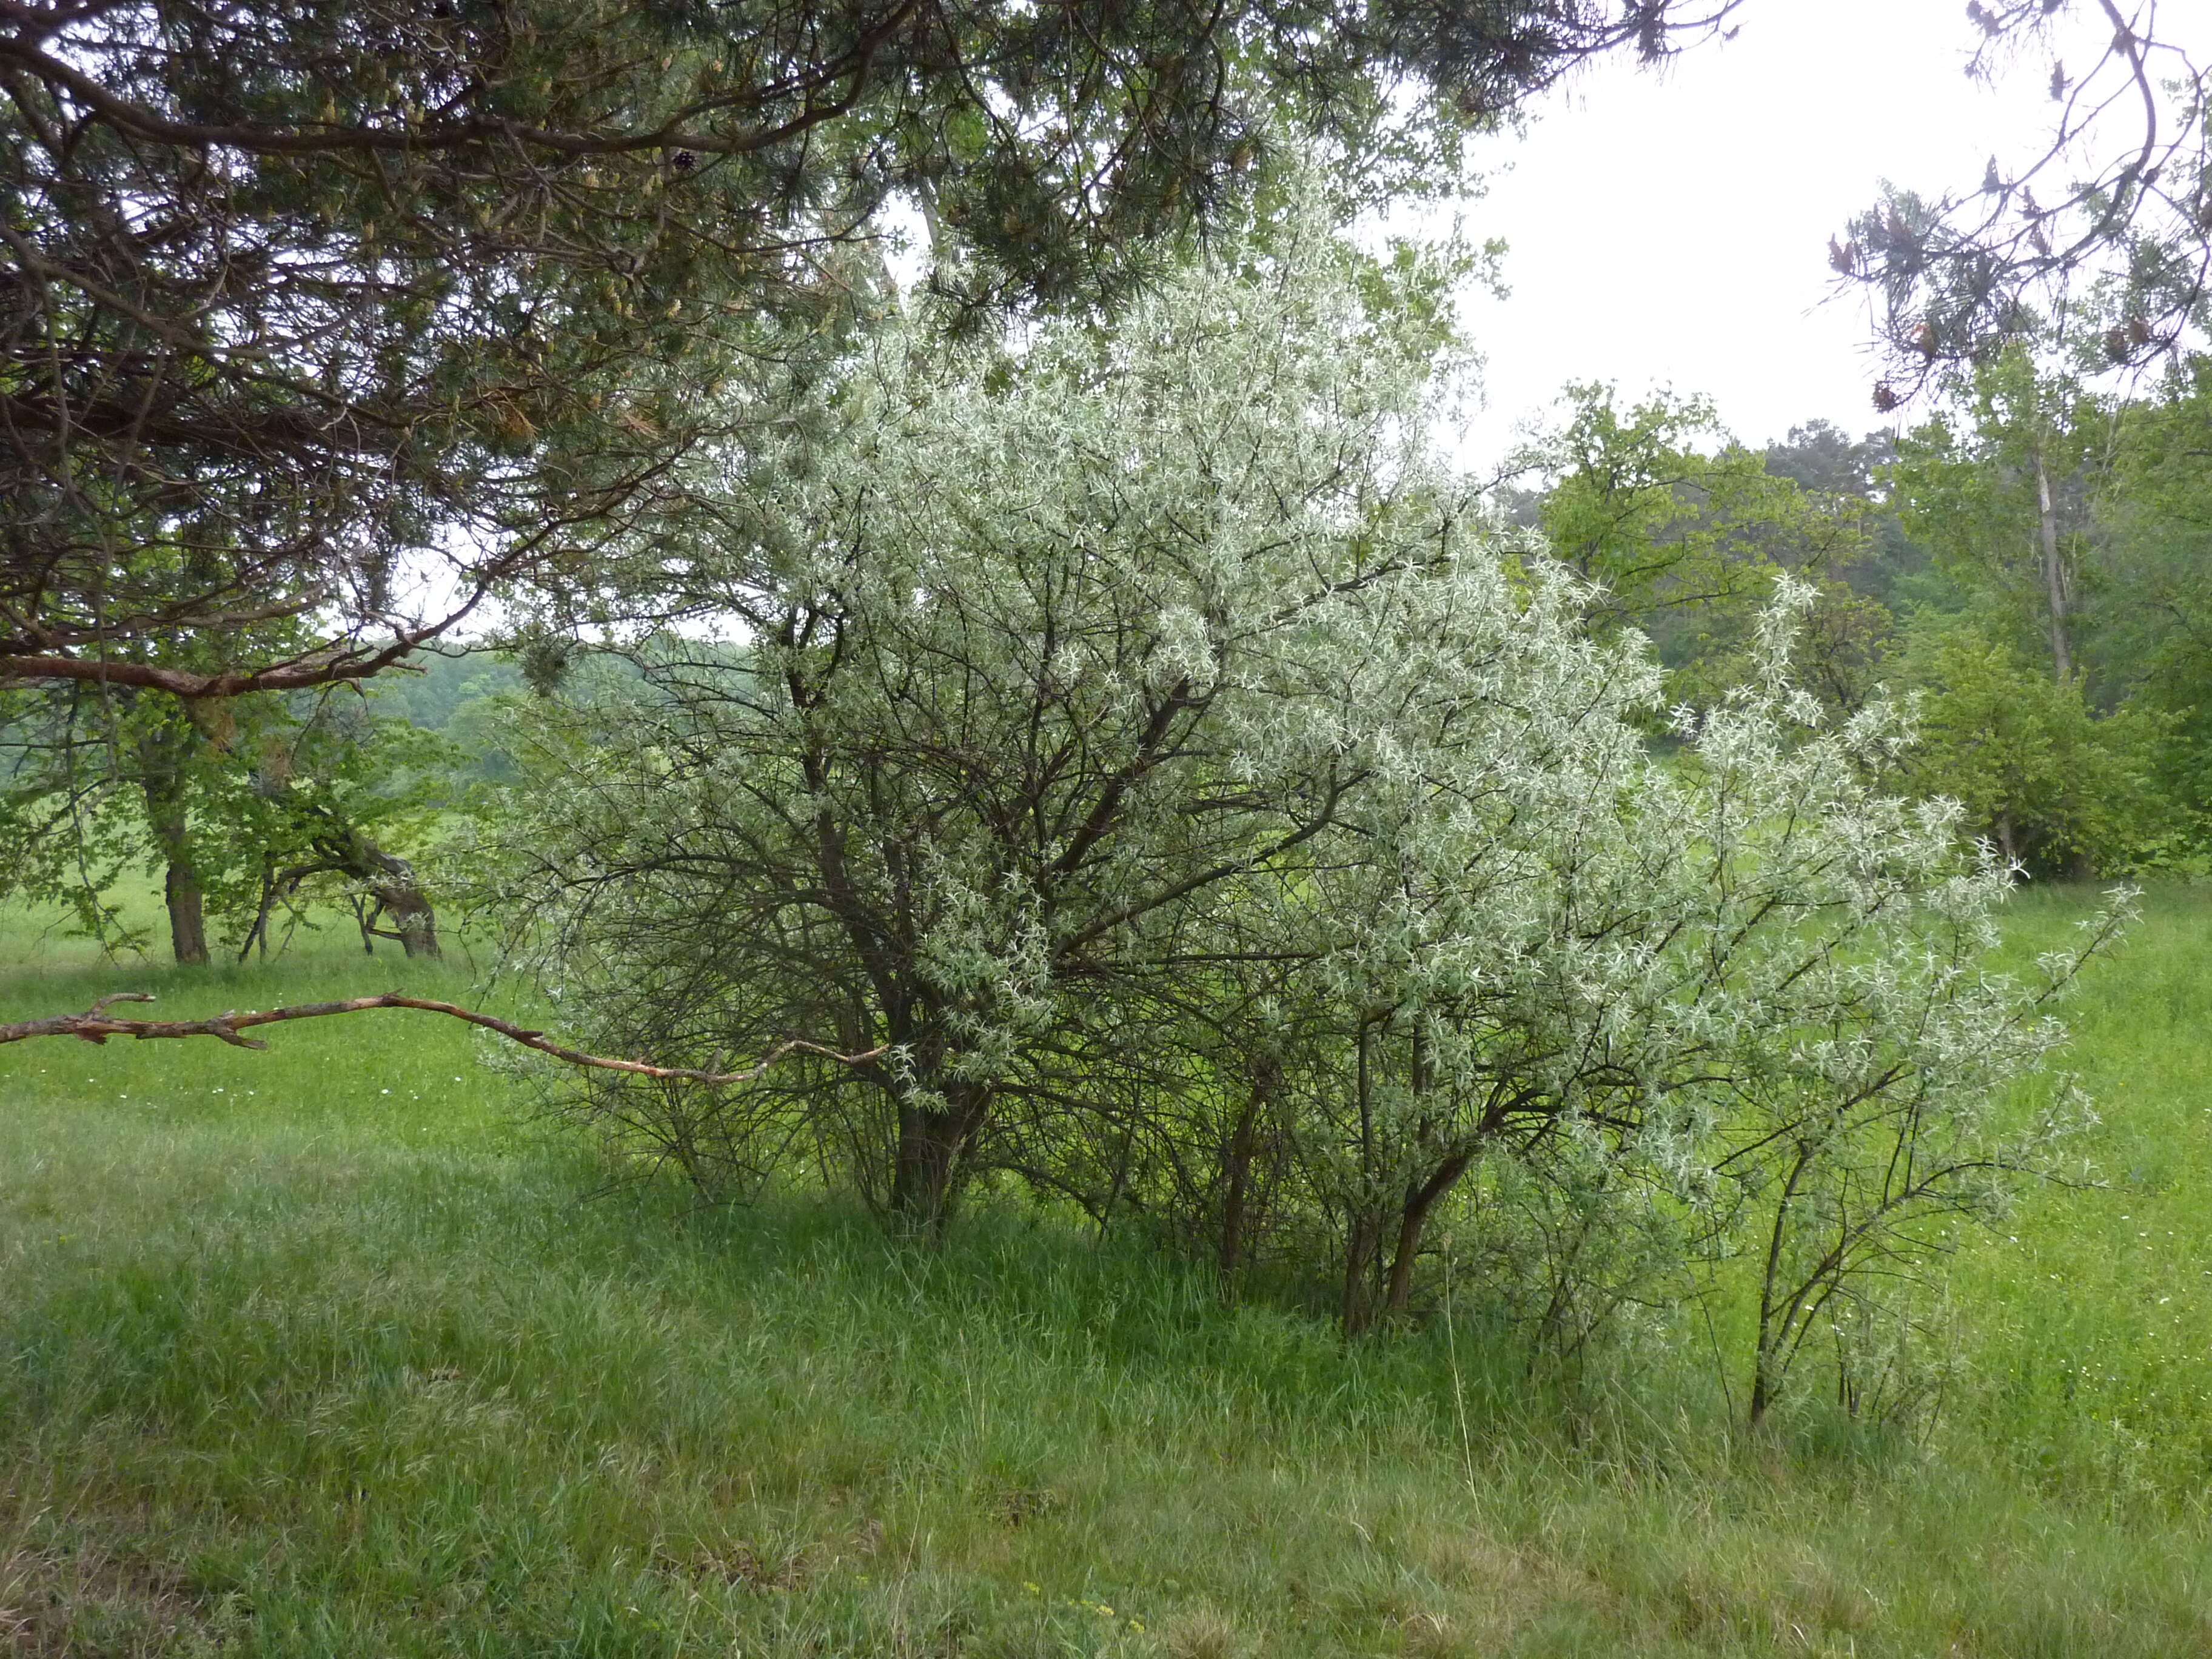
(95, 1025)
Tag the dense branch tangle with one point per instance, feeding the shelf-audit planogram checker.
(1141, 775)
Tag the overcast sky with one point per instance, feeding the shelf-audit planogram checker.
(1672, 227)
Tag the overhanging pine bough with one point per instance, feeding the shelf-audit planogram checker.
(298, 298)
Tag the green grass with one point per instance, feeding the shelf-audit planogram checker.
(2091, 1313)
(323, 1351)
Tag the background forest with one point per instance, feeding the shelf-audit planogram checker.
(1115, 1006)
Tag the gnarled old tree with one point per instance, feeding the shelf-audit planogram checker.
(350, 313)
(236, 804)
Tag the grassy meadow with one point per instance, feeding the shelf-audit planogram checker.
(327, 1351)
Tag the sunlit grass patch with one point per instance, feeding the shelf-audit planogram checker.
(2092, 1326)
(291, 1364)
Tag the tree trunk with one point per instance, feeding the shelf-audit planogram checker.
(1762, 1394)
(1776, 1311)
(412, 917)
(1362, 1296)
(391, 882)
(1237, 1170)
(187, 914)
(2054, 574)
(1413, 1222)
(161, 779)
(1363, 1232)
(932, 1156)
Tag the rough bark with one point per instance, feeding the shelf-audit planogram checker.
(1413, 1223)
(161, 779)
(1361, 1300)
(394, 894)
(401, 900)
(932, 1156)
(180, 891)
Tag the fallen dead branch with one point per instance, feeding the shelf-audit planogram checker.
(96, 1025)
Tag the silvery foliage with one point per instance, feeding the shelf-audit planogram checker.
(1040, 655)
(1062, 684)
(1729, 996)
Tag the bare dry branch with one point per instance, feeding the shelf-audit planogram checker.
(95, 1025)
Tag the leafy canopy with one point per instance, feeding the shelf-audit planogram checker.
(1139, 770)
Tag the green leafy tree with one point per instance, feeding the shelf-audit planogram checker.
(2055, 517)
(2057, 787)
(1040, 718)
(2156, 524)
(315, 805)
(1823, 459)
(243, 808)
(1131, 766)
(2002, 495)
(1685, 530)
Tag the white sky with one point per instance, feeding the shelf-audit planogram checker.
(1672, 227)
